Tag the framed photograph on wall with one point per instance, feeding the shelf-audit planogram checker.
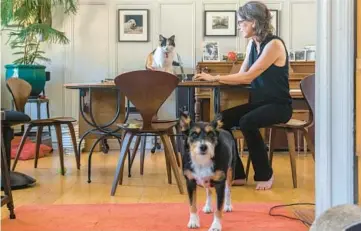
(275, 21)
(211, 51)
(220, 23)
(133, 25)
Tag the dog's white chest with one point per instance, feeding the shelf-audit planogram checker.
(201, 172)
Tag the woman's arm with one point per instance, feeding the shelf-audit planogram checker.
(245, 63)
(272, 51)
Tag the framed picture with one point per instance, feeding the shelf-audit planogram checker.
(300, 55)
(275, 21)
(211, 51)
(220, 23)
(133, 25)
(291, 56)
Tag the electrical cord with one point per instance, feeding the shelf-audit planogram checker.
(292, 218)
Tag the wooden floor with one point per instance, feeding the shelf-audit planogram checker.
(52, 188)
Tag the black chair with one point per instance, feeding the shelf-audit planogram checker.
(12, 118)
(7, 199)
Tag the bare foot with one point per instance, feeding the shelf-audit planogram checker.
(265, 185)
(239, 182)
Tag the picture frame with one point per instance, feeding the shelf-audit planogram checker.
(210, 51)
(220, 23)
(300, 55)
(133, 25)
(275, 21)
(291, 56)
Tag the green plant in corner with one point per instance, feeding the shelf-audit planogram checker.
(29, 23)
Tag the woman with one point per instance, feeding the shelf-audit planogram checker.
(265, 68)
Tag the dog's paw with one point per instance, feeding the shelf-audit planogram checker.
(207, 208)
(216, 226)
(228, 208)
(193, 221)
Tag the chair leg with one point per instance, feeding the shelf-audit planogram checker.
(21, 145)
(5, 177)
(248, 166)
(168, 167)
(75, 146)
(142, 153)
(128, 136)
(272, 139)
(60, 147)
(174, 144)
(241, 147)
(292, 151)
(48, 114)
(309, 142)
(169, 152)
(38, 142)
(136, 146)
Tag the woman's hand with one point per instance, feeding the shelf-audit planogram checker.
(204, 76)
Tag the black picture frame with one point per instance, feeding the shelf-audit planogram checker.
(275, 21)
(232, 32)
(122, 27)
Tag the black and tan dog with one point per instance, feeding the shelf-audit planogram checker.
(208, 161)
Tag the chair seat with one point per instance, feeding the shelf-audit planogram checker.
(156, 127)
(56, 120)
(292, 123)
(160, 121)
(12, 118)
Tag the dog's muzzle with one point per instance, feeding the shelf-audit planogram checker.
(203, 149)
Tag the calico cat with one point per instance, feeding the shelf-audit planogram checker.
(163, 57)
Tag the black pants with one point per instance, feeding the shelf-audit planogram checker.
(250, 118)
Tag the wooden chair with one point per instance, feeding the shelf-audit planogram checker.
(20, 90)
(147, 90)
(307, 86)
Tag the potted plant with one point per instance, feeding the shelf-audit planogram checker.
(29, 23)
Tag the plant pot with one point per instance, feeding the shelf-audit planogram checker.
(33, 74)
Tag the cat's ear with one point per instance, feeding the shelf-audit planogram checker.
(161, 37)
(172, 37)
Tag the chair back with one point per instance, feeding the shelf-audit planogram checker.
(307, 86)
(147, 90)
(20, 91)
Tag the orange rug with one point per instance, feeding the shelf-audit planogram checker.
(143, 217)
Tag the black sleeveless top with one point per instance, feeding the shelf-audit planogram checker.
(272, 85)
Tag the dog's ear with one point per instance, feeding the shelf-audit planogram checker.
(185, 121)
(217, 122)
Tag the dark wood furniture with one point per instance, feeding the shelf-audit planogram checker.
(20, 90)
(7, 199)
(147, 90)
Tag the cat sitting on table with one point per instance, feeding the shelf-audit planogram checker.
(163, 57)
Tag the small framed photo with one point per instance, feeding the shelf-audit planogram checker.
(300, 55)
(291, 56)
(220, 23)
(211, 51)
(275, 21)
(133, 25)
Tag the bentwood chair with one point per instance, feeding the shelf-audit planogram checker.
(147, 90)
(20, 91)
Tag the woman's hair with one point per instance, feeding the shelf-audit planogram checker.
(258, 12)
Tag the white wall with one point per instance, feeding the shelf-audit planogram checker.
(95, 54)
